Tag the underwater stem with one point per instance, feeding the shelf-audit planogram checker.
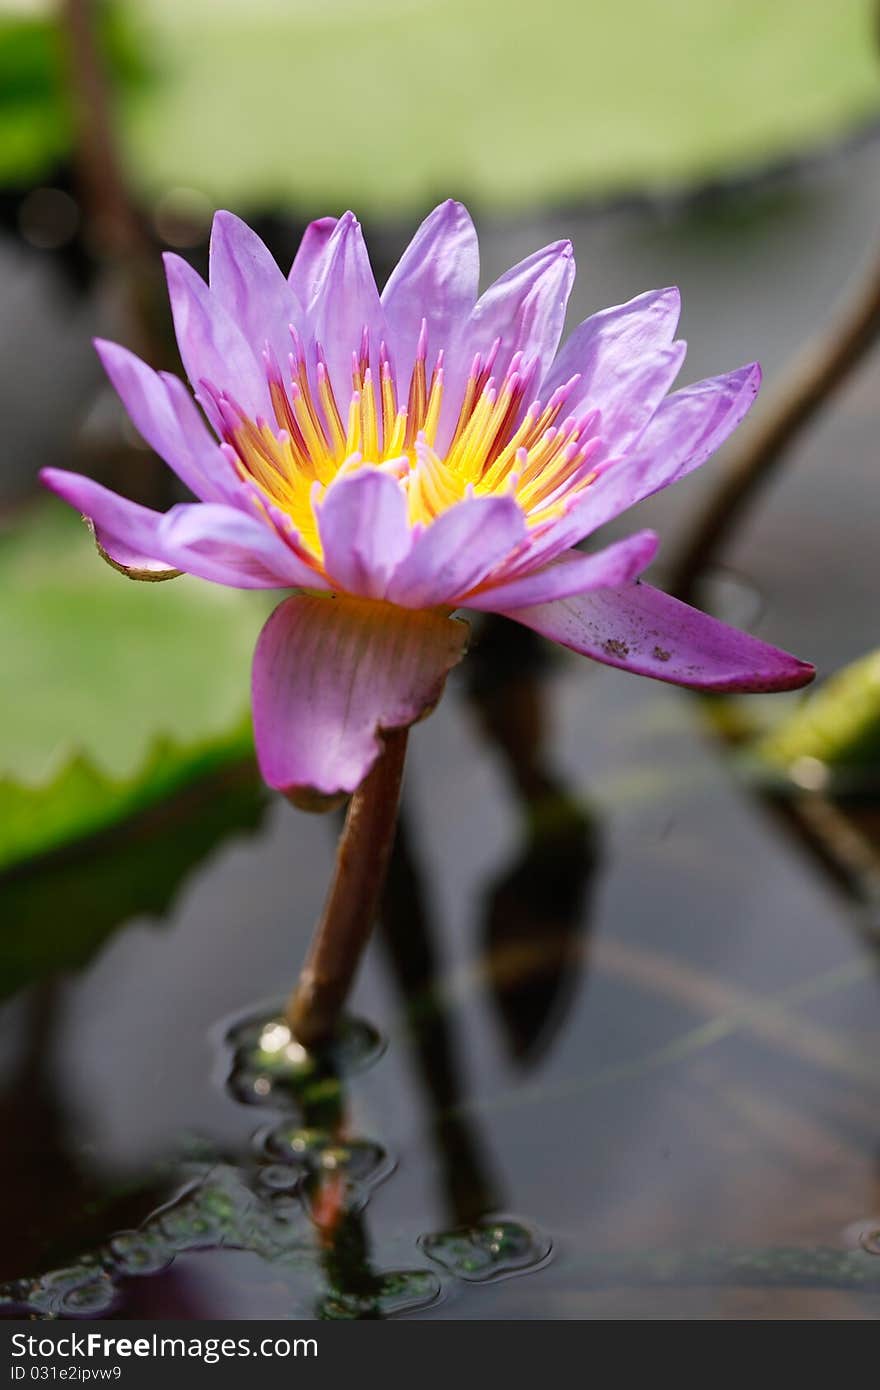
(342, 933)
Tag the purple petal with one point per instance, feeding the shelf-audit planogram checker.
(644, 630)
(691, 425)
(211, 344)
(229, 547)
(125, 532)
(364, 531)
(687, 429)
(525, 308)
(307, 263)
(163, 411)
(626, 361)
(571, 573)
(436, 279)
(457, 551)
(246, 280)
(330, 674)
(202, 538)
(344, 302)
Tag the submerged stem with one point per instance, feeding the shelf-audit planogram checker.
(314, 1007)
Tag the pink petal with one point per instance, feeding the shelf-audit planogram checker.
(457, 551)
(307, 265)
(163, 411)
(229, 547)
(206, 539)
(687, 429)
(571, 573)
(125, 532)
(211, 344)
(364, 531)
(330, 674)
(644, 630)
(692, 424)
(525, 308)
(435, 280)
(344, 302)
(246, 280)
(626, 361)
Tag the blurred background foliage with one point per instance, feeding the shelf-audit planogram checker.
(391, 103)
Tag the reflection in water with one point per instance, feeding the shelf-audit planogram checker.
(301, 1195)
(535, 913)
(470, 1188)
(297, 1199)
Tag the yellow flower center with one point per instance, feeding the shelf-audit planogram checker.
(499, 445)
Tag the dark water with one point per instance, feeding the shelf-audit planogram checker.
(631, 1025)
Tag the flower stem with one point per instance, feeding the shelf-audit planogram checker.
(314, 1007)
(811, 381)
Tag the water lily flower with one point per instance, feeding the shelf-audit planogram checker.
(394, 458)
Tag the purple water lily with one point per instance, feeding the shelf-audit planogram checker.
(392, 458)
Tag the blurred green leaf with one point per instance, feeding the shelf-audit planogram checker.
(838, 725)
(57, 913)
(389, 104)
(35, 126)
(115, 694)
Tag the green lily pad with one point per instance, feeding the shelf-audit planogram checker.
(388, 105)
(58, 915)
(115, 694)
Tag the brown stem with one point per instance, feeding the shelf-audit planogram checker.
(115, 224)
(344, 929)
(811, 380)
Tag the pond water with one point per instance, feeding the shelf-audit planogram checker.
(630, 1023)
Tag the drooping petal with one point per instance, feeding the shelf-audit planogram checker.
(627, 361)
(457, 551)
(205, 539)
(163, 411)
(125, 532)
(364, 531)
(246, 279)
(330, 674)
(211, 344)
(436, 280)
(344, 302)
(228, 547)
(307, 263)
(642, 629)
(571, 573)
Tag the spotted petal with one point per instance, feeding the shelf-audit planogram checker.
(644, 630)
